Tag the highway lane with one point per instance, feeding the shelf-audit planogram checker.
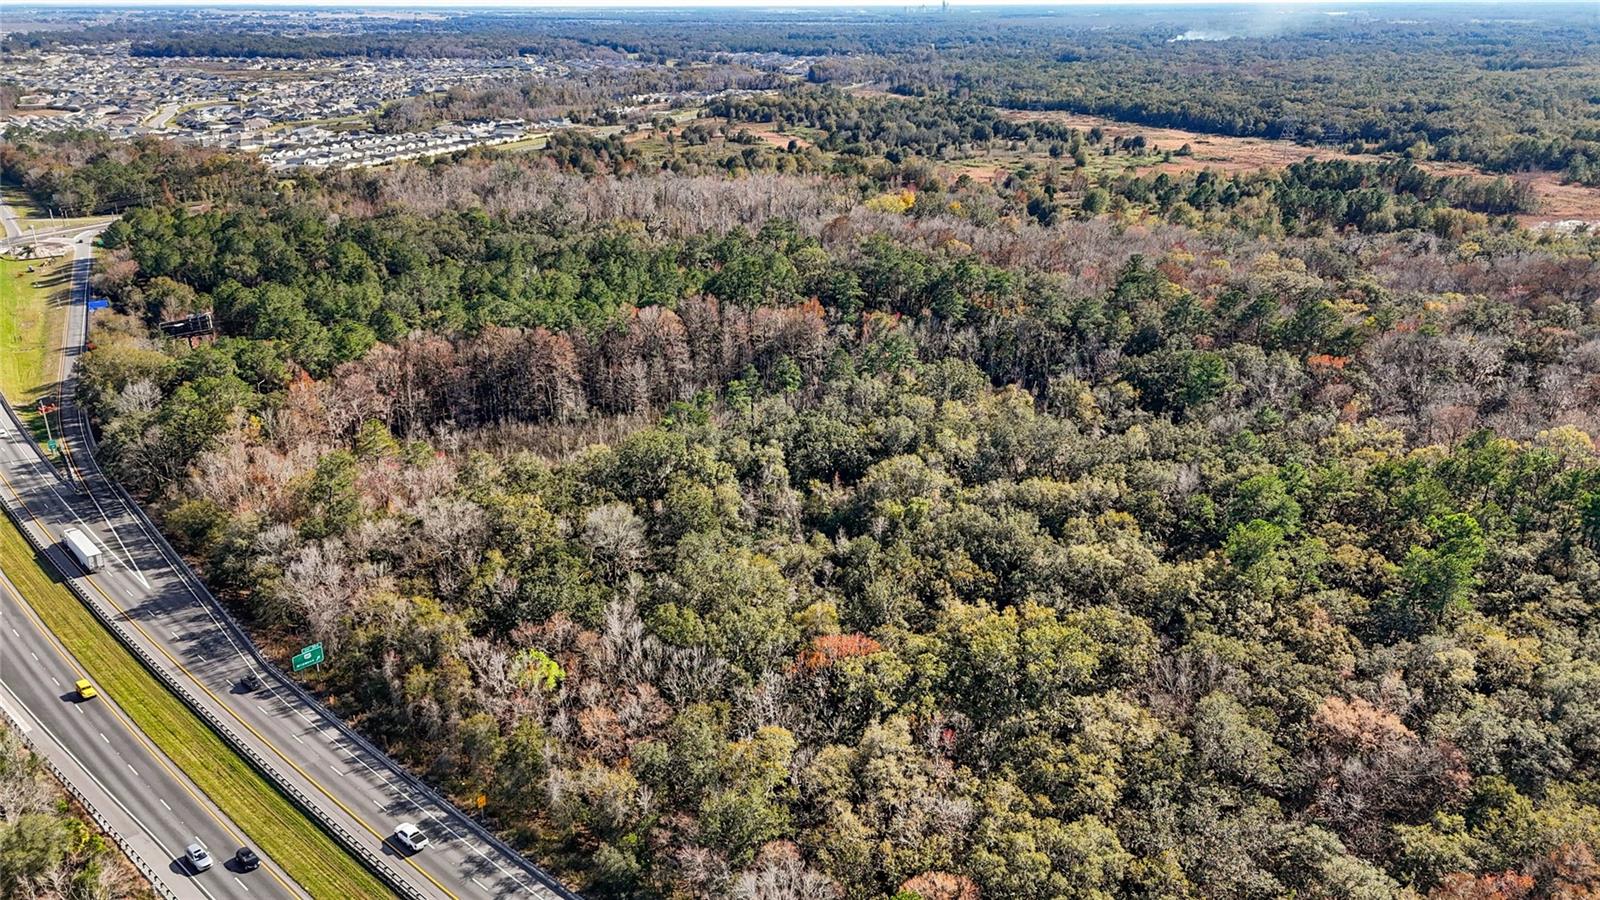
(127, 779)
(173, 617)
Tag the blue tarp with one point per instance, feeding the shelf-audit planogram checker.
(99, 303)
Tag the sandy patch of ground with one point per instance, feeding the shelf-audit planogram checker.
(37, 112)
(1561, 202)
(1557, 201)
(1213, 151)
(766, 131)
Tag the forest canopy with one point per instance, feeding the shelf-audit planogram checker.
(858, 476)
(732, 531)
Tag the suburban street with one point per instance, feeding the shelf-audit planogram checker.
(172, 617)
(125, 778)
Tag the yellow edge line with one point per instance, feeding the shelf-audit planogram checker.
(303, 773)
(121, 718)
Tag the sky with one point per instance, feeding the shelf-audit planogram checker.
(1507, 5)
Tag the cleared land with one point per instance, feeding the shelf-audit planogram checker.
(308, 855)
(1558, 201)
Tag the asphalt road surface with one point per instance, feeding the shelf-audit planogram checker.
(174, 619)
(125, 777)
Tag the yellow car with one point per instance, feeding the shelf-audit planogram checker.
(86, 690)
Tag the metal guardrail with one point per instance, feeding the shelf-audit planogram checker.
(376, 865)
(242, 640)
(428, 791)
(99, 820)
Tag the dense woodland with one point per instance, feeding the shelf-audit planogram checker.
(744, 535)
(798, 516)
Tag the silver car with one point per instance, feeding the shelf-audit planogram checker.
(198, 856)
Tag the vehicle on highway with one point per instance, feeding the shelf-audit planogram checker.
(410, 835)
(198, 856)
(86, 690)
(247, 859)
(83, 549)
(250, 683)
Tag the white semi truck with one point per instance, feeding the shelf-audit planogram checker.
(84, 549)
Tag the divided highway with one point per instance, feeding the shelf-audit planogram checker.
(168, 614)
(123, 777)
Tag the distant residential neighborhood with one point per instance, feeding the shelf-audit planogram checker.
(289, 110)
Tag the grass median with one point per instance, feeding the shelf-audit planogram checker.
(273, 823)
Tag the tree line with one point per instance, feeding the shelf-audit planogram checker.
(725, 533)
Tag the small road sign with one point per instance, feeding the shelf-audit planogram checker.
(307, 658)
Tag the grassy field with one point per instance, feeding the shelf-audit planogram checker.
(31, 326)
(275, 825)
(535, 142)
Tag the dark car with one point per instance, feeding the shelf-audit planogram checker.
(247, 859)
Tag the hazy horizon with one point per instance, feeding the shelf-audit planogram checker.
(775, 4)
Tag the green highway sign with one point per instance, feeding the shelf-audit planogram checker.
(307, 658)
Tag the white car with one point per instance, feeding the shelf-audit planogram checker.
(410, 835)
(198, 857)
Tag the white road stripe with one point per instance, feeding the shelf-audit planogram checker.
(91, 776)
(190, 583)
